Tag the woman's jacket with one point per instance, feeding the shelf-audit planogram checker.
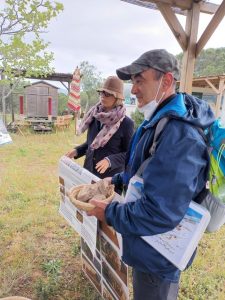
(115, 149)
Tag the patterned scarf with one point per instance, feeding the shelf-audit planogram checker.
(110, 119)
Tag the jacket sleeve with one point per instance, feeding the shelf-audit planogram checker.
(127, 133)
(117, 179)
(81, 149)
(171, 179)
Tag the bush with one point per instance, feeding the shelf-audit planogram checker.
(137, 117)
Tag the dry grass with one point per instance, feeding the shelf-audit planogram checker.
(39, 253)
(32, 232)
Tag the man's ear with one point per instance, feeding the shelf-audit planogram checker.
(168, 80)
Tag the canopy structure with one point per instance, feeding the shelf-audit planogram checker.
(62, 77)
(216, 83)
(187, 38)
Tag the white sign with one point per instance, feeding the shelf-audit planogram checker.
(4, 136)
(101, 245)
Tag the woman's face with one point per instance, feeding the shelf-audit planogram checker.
(107, 100)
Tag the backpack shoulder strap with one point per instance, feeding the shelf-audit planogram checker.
(158, 130)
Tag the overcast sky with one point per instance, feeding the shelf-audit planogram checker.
(112, 33)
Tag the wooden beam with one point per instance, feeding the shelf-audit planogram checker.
(64, 77)
(212, 86)
(205, 7)
(65, 85)
(192, 22)
(185, 5)
(174, 24)
(213, 24)
(219, 97)
(208, 8)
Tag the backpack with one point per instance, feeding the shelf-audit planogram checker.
(212, 197)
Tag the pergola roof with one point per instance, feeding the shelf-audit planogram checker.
(62, 77)
(178, 6)
(188, 37)
(216, 83)
(203, 81)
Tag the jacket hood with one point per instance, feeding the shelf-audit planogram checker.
(187, 108)
(199, 112)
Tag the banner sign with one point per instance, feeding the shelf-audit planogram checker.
(74, 96)
(101, 245)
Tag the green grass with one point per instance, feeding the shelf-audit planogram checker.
(39, 255)
(39, 252)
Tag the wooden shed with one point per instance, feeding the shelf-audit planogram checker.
(41, 100)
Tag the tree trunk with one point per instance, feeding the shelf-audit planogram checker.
(3, 105)
(12, 108)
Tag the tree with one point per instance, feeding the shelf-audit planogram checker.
(210, 62)
(22, 51)
(137, 117)
(62, 103)
(91, 80)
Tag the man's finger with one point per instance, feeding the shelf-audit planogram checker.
(98, 203)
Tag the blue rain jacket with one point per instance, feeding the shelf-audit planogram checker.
(173, 177)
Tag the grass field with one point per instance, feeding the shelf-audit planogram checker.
(39, 252)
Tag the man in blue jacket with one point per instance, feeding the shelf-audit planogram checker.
(175, 175)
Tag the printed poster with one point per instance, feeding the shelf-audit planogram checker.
(4, 135)
(179, 244)
(101, 245)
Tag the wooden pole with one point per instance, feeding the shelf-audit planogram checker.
(12, 104)
(50, 108)
(75, 122)
(219, 97)
(21, 99)
(223, 111)
(192, 22)
(214, 23)
(12, 108)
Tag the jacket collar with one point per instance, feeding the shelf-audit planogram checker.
(174, 108)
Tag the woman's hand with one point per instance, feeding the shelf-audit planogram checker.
(102, 166)
(72, 153)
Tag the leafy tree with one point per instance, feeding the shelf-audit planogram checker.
(62, 103)
(22, 51)
(137, 117)
(210, 62)
(84, 100)
(12, 101)
(91, 80)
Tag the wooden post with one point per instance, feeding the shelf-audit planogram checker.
(188, 62)
(50, 108)
(223, 111)
(75, 121)
(21, 106)
(215, 21)
(12, 108)
(219, 97)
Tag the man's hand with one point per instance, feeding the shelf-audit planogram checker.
(72, 153)
(108, 180)
(99, 210)
(102, 166)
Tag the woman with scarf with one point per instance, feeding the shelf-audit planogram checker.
(109, 132)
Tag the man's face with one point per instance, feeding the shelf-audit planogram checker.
(145, 87)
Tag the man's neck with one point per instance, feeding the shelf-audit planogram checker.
(164, 102)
